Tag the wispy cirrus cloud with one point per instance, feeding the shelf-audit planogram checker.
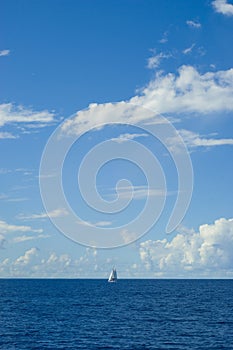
(164, 38)
(24, 171)
(4, 53)
(19, 233)
(98, 223)
(194, 140)
(45, 215)
(10, 113)
(16, 199)
(139, 192)
(126, 137)
(188, 50)
(3, 196)
(24, 238)
(7, 135)
(223, 7)
(6, 228)
(155, 60)
(193, 24)
(4, 171)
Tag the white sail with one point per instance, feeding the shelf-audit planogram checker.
(113, 276)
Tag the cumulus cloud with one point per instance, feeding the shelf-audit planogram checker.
(207, 252)
(33, 263)
(193, 24)
(63, 264)
(4, 53)
(27, 257)
(10, 113)
(187, 92)
(222, 6)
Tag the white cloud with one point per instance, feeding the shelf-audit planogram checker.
(3, 196)
(193, 24)
(126, 137)
(128, 236)
(7, 135)
(208, 252)
(32, 264)
(188, 50)
(64, 265)
(24, 238)
(164, 38)
(103, 223)
(10, 113)
(189, 85)
(25, 171)
(98, 223)
(4, 171)
(19, 199)
(4, 53)
(27, 257)
(6, 228)
(53, 214)
(187, 92)
(139, 192)
(222, 6)
(194, 140)
(155, 60)
(33, 126)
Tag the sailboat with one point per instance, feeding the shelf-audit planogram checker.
(113, 275)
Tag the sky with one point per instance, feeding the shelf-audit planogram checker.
(116, 138)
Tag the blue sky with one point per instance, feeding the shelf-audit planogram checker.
(67, 66)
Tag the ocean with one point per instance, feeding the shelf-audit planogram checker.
(129, 314)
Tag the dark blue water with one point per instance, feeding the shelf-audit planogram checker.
(131, 314)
